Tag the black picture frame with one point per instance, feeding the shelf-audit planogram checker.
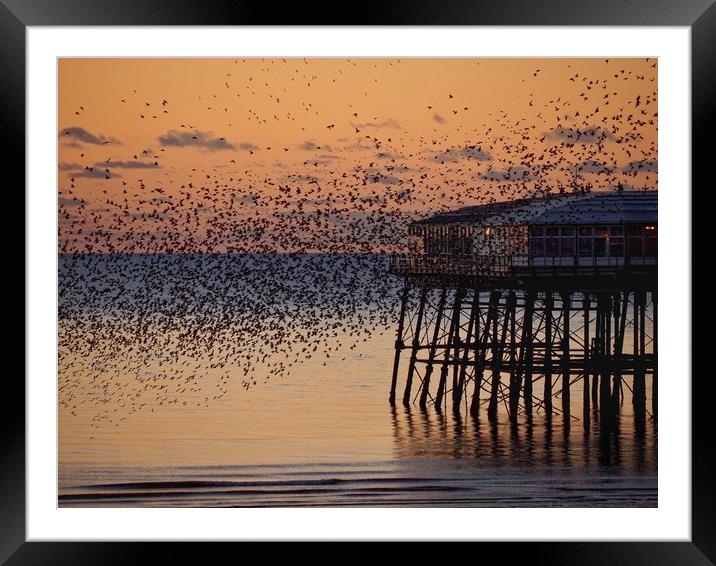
(699, 15)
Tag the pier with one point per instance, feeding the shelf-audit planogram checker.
(515, 305)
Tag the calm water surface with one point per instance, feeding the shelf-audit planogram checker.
(155, 359)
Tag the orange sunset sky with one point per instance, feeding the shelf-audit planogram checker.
(215, 155)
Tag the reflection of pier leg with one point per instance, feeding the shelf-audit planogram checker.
(416, 344)
(452, 344)
(474, 317)
(548, 305)
(433, 349)
(398, 345)
(566, 303)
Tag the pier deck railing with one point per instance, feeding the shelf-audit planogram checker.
(503, 266)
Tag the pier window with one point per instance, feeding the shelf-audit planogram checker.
(601, 240)
(586, 241)
(567, 241)
(552, 241)
(616, 241)
(642, 240)
(636, 241)
(650, 241)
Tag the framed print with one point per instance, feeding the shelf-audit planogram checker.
(392, 282)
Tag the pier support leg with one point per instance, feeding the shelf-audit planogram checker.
(596, 355)
(457, 389)
(548, 306)
(482, 353)
(605, 394)
(639, 389)
(425, 389)
(398, 345)
(452, 344)
(566, 336)
(415, 346)
(516, 365)
(655, 342)
(620, 317)
(585, 379)
(528, 348)
(498, 347)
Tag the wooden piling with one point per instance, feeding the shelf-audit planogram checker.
(528, 347)
(548, 306)
(585, 376)
(605, 404)
(452, 344)
(425, 387)
(515, 365)
(415, 346)
(566, 304)
(620, 316)
(471, 326)
(654, 336)
(500, 335)
(398, 344)
(639, 386)
(482, 353)
(498, 347)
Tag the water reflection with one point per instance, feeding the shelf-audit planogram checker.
(537, 443)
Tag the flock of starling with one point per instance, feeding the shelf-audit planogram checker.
(175, 285)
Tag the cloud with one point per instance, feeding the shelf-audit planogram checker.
(400, 168)
(637, 166)
(64, 201)
(247, 199)
(93, 174)
(73, 145)
(310, 145)
(385, 179)
(438, 118)
(388, 155)
(200, 140)
(128, 165)
(593, 166)
(64, 166)
(77, 133)
(246, 146)
(592, 134)
(360, 145)
(476, 153)
(446, 156)
(308, 178)
(512, 173)
(455, 154)
(389, 123)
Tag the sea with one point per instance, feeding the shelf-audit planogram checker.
(262, 380)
